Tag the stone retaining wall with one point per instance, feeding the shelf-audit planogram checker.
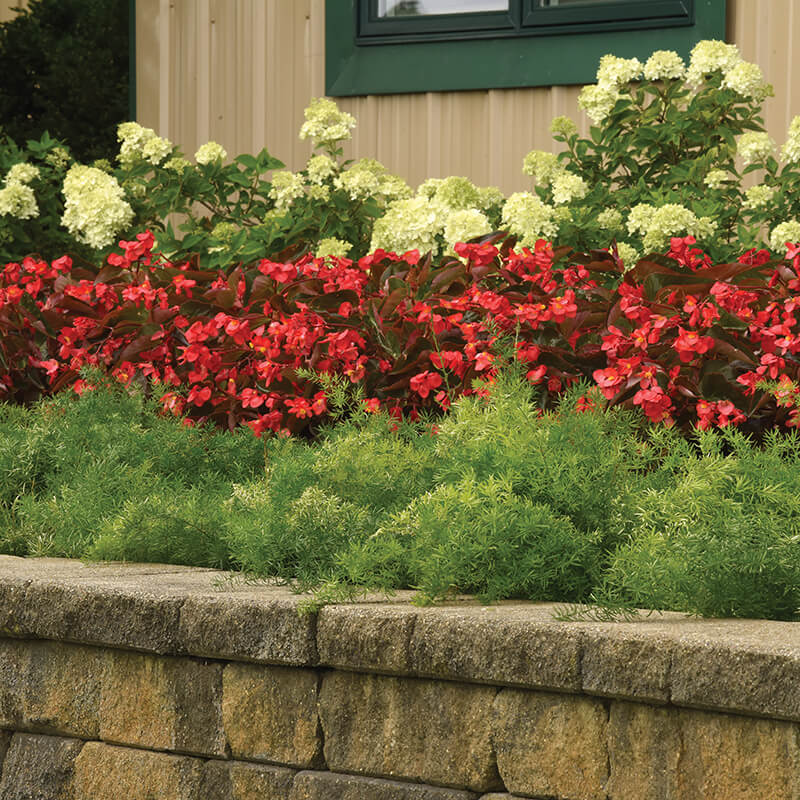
(143, 681)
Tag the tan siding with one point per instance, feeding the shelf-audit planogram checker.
(242, 71)
(7, 6)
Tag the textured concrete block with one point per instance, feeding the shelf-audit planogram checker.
(270, 714)
(727, 757)
(257, 625)
(422, 730)
(39, 768)
(163, 703)
(645, 747)
(757, 674)
(105, 772)
(233, 780)
(551, 745)
(618, 664)
(518, 645)
(330, 786)
(50, 687)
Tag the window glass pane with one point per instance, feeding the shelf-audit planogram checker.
(554, 3)
(420, 8)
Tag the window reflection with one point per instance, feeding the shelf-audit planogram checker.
(420, 8)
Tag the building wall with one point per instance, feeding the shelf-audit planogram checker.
(241, 72)
(7, 8)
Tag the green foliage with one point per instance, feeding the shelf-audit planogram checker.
(578, 505)
(65, 70)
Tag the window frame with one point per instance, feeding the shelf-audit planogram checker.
(396, 63)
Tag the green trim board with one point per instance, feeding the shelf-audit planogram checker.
(131, 59)
(493, 61)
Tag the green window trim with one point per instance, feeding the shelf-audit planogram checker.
(475, 59)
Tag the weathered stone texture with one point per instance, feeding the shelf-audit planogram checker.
(423, 730)
(5, 741)
(163, 703)
(726, 757)
(270, 714)
(232, 780)
(264, 627)
(50, 687)
(551, 745)
(39, 768)
(105, 772)
(645, 749)
(330, 786)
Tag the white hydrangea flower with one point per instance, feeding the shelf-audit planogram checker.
(359, 182)
(393, 187)
(409, 224)
(716, 178)
(758, 196)
(178, 165)
(18, 200)
(95, 209)
(614, 72)
(598, 101)
(428, 188)
(338, 248)
(58, 158)
(325, 124)
(639, 218)
(568, 187)
(784, 232)
(563, 126)
(628, 254)
(320, 168)
(747, 80)
(791, 150)
(711, 55)
(156, 149)
(210, 153)
(610, 219)
(754, 146)
(528, 218)
(658, 225)
(320, 192)
(457, 193)
(464, 224)
(542, 166)
(286, 188)
(133, 137)
(21, 173)
(490, 198)
(664, 65)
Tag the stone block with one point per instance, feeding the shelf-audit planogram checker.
(255, 625)
(645, 748)
(417, 729)
(330, 786)
(50, 687)
(551, 745)
(270, 713)
(234, 780)
(39, 768)
(510, 644)
(106, 772)
(163, 703)
(728, 757)
(5, 742)
(618, 664)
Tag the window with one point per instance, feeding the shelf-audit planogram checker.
(380, 21)
(395, 46)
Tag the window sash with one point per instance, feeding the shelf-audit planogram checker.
(523, 18)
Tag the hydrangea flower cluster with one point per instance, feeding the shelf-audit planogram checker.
(758, 196)
(332, 247)
(657, 225)
(529, 219)
(95, 209)
(325, 124)
(791, 149)
(286, 188)
(788, 231)
(664, 65)
(754, 146)
(210, 153)
(567, 187)
(17, 199)
(141, 143)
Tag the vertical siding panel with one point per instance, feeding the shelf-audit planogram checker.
(246, 78)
